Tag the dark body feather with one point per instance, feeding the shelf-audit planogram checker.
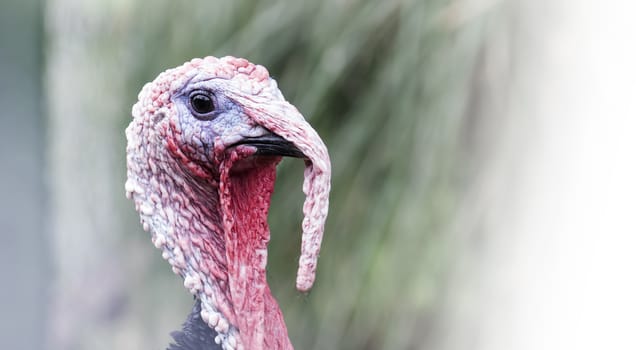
(196, 334)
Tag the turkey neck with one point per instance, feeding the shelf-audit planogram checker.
(246, 186)
(213, 231)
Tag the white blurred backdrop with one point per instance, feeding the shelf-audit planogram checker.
(559, 186)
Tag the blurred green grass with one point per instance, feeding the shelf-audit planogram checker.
(385, 83)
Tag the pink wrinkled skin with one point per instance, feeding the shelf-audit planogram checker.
(205, 202)
(316, 186)
(244, 196)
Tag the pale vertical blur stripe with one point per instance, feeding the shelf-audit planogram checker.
(24, 253)
(559, 268)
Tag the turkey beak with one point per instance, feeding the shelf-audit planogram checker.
(272, 145)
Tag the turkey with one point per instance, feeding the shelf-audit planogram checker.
(202, 152)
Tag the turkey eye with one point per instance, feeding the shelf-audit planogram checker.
(201, 103)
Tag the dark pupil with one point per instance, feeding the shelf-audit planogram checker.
(202, 103)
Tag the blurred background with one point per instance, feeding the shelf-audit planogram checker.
(482, 170)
